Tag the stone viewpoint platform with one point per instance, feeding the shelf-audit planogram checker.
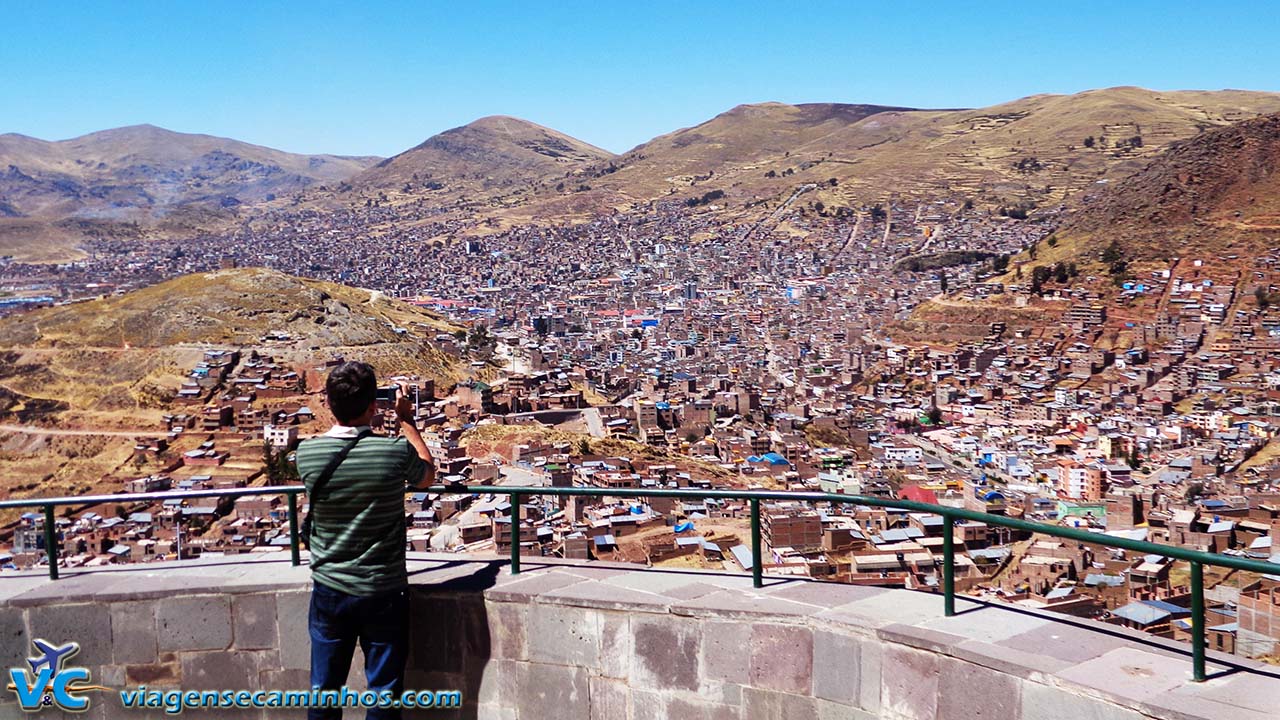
(594, 641)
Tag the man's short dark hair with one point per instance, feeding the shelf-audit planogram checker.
(351, 389)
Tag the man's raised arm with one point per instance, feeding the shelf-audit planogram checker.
(409, 428)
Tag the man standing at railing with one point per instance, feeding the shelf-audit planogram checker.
(355, 484)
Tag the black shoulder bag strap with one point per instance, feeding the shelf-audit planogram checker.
(323, 479)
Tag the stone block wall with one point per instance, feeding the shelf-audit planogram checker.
(585, 642)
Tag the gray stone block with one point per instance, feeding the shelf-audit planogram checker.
(650, 705)
(276, 679)
(294, 641)
(133, 632)
(498, 683)
(724, 655)
(496, 712)
(436, 634)
(111, 676)
(220, 669)
(606, 596)
(553, 691)
(908, 608)
(870, 660)
(87, 624)
(254, 621)
(971, 692)
(768, 705)
(1064, 642)
(1129, 674)
(666, 652)
(474, 644)
(921, 638)
(198, 622)
(1042, 702)
(610, 699)
(828, 710)
(822, 595)
(563, 635)
(527, 586)
(166, 671)
(910, 683)
(616, 645)
(1010, 661)
(1176, 706)
(991, 624)
(15, 645)
(740, 605)
(782, 658)
(720, 693)
(837, 667)
(507, 630)
(1259, 692)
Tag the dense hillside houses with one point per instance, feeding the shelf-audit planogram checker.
(911, 349)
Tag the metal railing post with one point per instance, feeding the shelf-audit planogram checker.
(1197, 622)
(514, 514)
(757, 571)
(51, 542)
(295, 555)
(948, 566)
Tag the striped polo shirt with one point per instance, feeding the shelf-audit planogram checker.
(358, 520)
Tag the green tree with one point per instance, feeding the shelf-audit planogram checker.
(1039, 276)
(1112, 253)
(942, 282)
(280, 471)
(1060, 274)
(1262, 297)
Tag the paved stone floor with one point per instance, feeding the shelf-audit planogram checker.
(1110, 665)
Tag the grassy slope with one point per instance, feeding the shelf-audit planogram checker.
(120, 354)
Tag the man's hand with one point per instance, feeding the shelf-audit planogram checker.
(405, 410)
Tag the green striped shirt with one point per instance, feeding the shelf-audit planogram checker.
(358, 520)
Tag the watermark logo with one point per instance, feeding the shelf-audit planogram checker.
(50, 683)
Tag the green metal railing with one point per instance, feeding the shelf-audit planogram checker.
(517, 494)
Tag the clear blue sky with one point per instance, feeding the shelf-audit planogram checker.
(379, 77)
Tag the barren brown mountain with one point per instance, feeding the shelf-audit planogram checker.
(493, 155)
(1216, 194)
(141, 180)
(1037, 150)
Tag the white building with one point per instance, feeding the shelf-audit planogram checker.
(280, 436)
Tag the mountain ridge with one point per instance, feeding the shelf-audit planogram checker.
(1213, 194)
(1039, 151)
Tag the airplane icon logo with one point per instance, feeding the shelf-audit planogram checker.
(50, 684)
(53, 656)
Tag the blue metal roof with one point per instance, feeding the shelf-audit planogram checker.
(1141, 613)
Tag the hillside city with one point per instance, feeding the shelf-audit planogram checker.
(672, 346)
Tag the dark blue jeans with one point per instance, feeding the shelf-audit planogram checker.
(380, 624)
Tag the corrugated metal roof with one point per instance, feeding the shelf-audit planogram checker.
(1141, 613)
